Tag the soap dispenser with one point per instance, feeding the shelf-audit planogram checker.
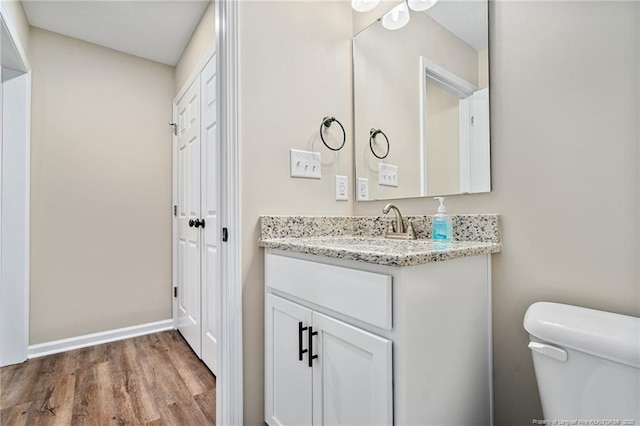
(442, 225)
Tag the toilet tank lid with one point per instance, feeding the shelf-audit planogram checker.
(604, 334)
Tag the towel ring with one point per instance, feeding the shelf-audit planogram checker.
(372, 137)
(326, 122)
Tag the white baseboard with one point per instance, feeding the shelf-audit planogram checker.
(71, 343)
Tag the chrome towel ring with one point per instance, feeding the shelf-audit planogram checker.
(326, 122)
(372, 137)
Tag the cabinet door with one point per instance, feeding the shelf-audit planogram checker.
(352, 377)
(288, 378)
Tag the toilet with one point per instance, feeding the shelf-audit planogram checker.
(587, 364)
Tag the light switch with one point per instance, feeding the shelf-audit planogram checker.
(387, 175)
(363, 189)
(342, 188)
(305, 164)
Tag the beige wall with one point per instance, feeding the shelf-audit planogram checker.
(388, 97)
(101, 189)
(295, 60)
(20, 22)
(201, 41)
(565, 161)
(483, 68)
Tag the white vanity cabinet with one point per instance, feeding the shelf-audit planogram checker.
(347, 381)
(321, 370)
(394, 345)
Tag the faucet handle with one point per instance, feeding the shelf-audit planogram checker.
(391, 229)
(411, 233)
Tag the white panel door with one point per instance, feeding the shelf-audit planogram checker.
(352, 377)
(211, 231)
(188, 235)
(288, 399)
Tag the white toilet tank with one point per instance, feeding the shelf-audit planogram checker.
(587, 364)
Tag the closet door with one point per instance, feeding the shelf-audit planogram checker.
(189, 204)
(211, 231)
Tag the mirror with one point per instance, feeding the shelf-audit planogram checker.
(421, 104)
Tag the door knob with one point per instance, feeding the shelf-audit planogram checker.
(199, 223)
(191, 223)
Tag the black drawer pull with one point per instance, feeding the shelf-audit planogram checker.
(311, 356)
(301, 351)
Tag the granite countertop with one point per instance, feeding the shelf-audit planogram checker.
(382, 251)
(361, 238)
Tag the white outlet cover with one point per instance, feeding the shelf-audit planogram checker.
(387, 175)
(342, 188)
(305, 164)
(363, 189)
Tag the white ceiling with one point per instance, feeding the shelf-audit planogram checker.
(155, 30)
(466, 19)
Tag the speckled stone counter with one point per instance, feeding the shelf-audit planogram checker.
(361, 238)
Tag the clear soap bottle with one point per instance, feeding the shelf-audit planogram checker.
(442, 230)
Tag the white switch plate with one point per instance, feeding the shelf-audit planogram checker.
(387, 175)
(305, 164)
(363, 189)
(342, 188)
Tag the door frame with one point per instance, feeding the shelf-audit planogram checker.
(229, 392)
(229, 382)
(15, 216)
(451, 82)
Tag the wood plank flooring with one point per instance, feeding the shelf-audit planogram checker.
(149, 380)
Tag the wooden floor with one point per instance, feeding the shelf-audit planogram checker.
(148, 380)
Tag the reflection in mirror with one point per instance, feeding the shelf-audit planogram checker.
(425, 86)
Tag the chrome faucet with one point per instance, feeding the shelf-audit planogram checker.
(399, 231)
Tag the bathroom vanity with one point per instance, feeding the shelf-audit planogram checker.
(364, 330)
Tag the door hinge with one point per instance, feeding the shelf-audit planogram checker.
(225, 235)
(175, 292)
(175, 210)
(175, 128)
(472, 120)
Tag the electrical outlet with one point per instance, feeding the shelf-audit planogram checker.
(363, 189)
(387, 175)
(305, 164)
(342, 188)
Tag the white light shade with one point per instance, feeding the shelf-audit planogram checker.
(421, 5)
(364, 5)
(397, 17)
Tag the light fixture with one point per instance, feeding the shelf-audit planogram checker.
(364, 5)
(421, 5)
(397, 17)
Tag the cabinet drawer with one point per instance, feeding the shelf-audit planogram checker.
(365, 296)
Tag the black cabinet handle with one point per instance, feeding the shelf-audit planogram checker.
(191, 223)
(311, 356)
(301, 330)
